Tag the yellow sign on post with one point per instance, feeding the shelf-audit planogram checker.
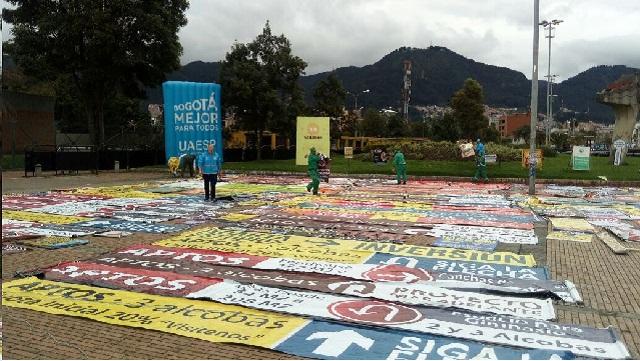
(311, 132)
(537, 159)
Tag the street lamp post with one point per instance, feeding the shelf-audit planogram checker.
(356, 95)
(549, 25)
(534, 98)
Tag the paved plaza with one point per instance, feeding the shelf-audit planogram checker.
(422, 213)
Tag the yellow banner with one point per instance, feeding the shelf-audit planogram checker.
(203, 320)
(237, 217)
(42, 217)
(123, 191)
(324, 249)
(571, 224)
(311, 132)
(570, 236)
(268, 244)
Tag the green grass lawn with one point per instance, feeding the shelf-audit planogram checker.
(554, 168)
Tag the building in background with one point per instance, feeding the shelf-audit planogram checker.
(510, 123)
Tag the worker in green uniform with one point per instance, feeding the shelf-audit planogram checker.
(312, 170)
(400, 166)
(481, 164)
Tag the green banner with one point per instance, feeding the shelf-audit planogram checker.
(580, 158)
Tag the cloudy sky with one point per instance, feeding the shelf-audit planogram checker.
(335, 33)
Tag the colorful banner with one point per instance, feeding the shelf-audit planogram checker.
(311, 132)
(54, 242)
(52, 230)
(11, 248)
(41, 217)
(224, 323)
(571, 224)
(391, 282)
(192, 118)
(505, 330)
(332, 250)
(329, 340)
(118, 225)
(192, 318)
(570, 236)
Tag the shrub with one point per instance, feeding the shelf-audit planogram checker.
(435, 150)
(548, 152)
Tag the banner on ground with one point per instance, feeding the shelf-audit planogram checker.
(54, 242)
(505, 330)
(41, 217)
(311, 132)
(325, 249)
(129, 226)
(192, 118)
(390, 282)
(486, 277)
(224, 323)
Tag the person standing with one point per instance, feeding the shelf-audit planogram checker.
(312, 170)
(481, 164)
(400, 165)
(209, 164)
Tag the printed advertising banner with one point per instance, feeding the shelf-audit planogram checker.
(216, 322)
(192, 118)
(311, 132)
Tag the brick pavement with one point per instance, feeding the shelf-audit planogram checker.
(609, 284)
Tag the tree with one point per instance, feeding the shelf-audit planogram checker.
(524, 132)
(397, 127)
(373, 123)
(560, 140)
(102, 48)
(446, 128)
(260, 82)
(329, 96)
(468, 110)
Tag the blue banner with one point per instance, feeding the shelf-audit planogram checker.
(328, 340)
(461, 266)
(192, 118)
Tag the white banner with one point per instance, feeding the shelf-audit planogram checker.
(506, 330)
(503, 235)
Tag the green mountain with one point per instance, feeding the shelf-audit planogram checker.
(437, 73)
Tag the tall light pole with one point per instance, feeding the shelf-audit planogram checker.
(356, 95)
(549, 25)
(534, 98)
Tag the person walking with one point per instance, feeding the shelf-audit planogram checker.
(312, 170)
(400, 165)
(209, 165)
(481, 165)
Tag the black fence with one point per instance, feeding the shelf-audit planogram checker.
(74, 159)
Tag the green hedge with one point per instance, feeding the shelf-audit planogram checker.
(432, 150)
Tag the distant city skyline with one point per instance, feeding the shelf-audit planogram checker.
(336, 33)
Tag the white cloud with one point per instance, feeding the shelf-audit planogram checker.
(334, 33)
